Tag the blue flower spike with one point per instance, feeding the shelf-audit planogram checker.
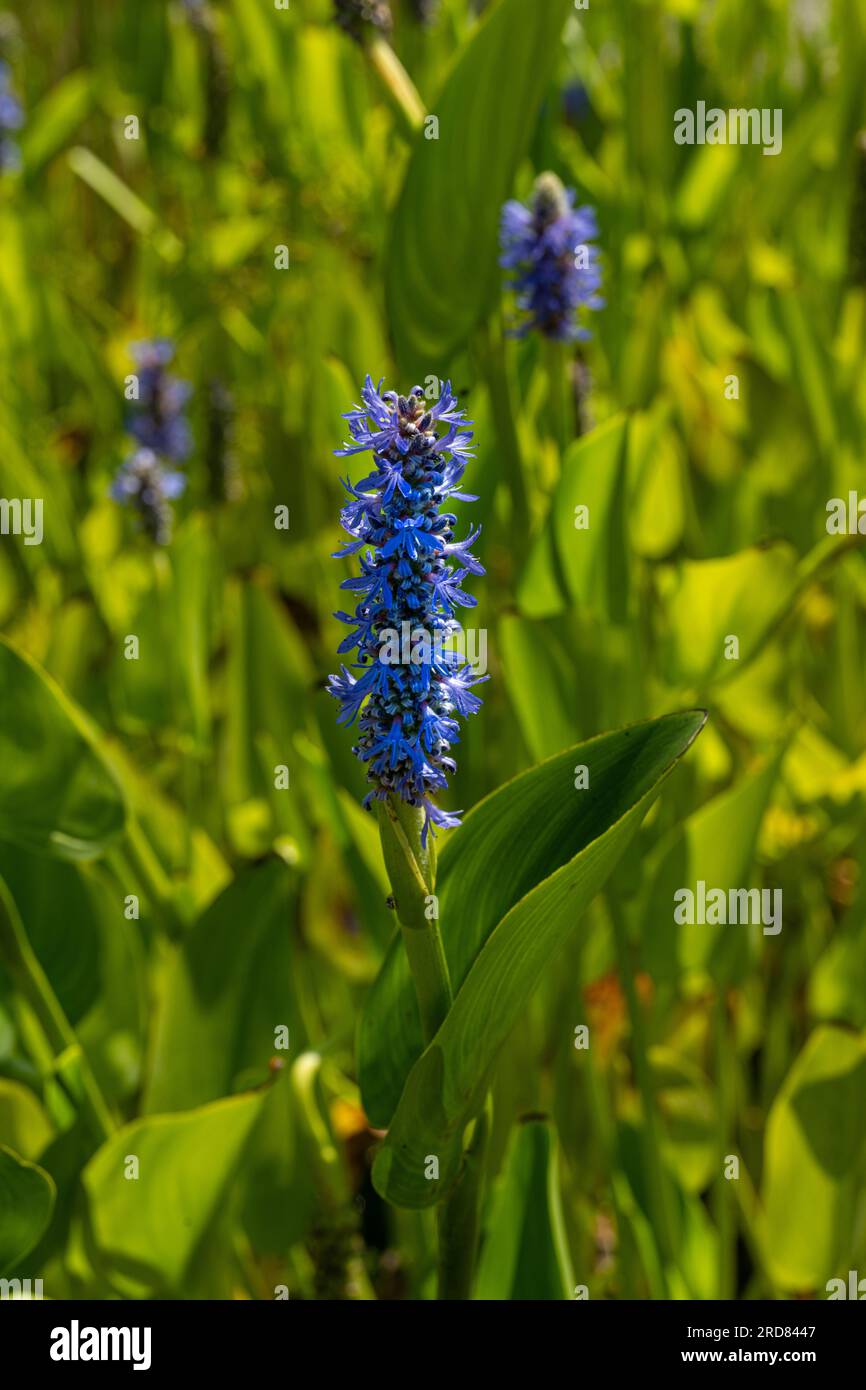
(11, 121)
(158, 424)
(408, 694)
(547, 243)
(358, 17)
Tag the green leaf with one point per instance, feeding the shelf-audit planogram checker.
(55, 119)
(147, 1227)
(541, 679)
(837, 987)
(717, 845)
(56, 794)
(525, 1255)
(480, 879)
(26, 1202)
(442, 270)
(513, 898)
(689, 1119)
(226, 989)
(23, 1123)
(743, 595)
(814, 1161)
(67, 944)
(590, 557)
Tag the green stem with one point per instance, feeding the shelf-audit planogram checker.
(640, 1057)
(459, 1217)
(723, 1196)
(398, 85)
(20, 959)
(412, 870)
(559, 398)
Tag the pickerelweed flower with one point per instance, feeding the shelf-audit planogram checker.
(425, 11)
(144, 484)
(547, 244)
(355, 15)
(157, 422)
(11, 120)
(412, 569)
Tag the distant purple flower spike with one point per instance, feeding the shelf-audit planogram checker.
(406, 701)
(425, 11)
(159, 426)
(547, 243)
(357, 16)
(158, 421)
(143, 483)
(11, 120)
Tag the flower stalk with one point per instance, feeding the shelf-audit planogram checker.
(411, 870)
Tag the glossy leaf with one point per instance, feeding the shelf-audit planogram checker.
(226, 989)
(56, 794)
(26, 1202)
(480, 878)
(442, 258)
(446, 1085)
(525, 1254)
(814, 1159)
(147, 1227)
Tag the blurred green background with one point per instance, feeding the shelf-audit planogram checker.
(261, 909)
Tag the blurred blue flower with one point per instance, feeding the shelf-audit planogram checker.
(547, 244)
(158, 419)
(143, 483)
(355, 15)
(425, 11)
(157, 422)
(11, 119)
(575, 101)
(406, 700)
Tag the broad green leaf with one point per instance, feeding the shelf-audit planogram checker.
(147, 1228)
(594, 561)
(814, 1161)
(540, 680)
(56, 794)
(837, 986)
(442, 265)
(525, 1254)
(715, 845)
(67, 944)
(226, 988)
(708, 601)
(694, 1272)
(586, 523)
(689, 1119)
(445, 1088)
(269, 678)
(26, 1202)
(481, 878)
(24, 1125)
(657, 501)
(705, 184)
